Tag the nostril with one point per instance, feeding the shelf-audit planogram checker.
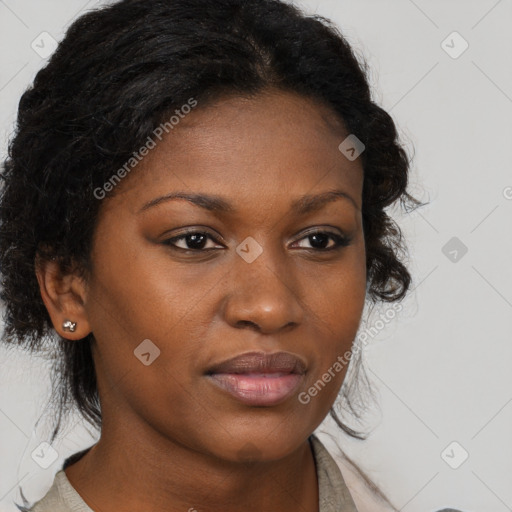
(247, 323)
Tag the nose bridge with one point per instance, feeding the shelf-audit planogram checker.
(261, 291)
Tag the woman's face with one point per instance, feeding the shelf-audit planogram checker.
(232, 266)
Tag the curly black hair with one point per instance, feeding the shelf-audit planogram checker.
(119, 72)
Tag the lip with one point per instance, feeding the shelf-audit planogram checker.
(261, 362)
(258, 378)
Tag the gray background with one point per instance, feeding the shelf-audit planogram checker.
(441, 368)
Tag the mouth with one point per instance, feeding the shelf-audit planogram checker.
(259, 379)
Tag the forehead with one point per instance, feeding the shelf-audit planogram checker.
(271, 145)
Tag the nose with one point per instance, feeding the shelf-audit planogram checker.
(262, 296)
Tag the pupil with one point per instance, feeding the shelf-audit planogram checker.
(196, 241)
(322, 240)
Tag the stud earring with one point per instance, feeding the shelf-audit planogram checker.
(68, 325)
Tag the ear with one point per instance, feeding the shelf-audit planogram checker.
(64, 295)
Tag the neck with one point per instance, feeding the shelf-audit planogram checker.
(139, 470)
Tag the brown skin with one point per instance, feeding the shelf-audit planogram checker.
(171, 441)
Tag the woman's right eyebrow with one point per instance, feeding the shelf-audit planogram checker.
(301, 206)
(208, 202)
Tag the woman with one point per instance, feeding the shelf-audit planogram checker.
(194, 202)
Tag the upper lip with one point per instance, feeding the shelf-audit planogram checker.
(261, 362)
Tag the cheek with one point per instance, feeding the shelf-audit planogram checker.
(338, 315)
(143, 293)
(336, 305)
(147, 300)
(337, 297)
(147, 342)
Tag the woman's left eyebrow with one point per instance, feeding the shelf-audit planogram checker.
(311, 203)
(305, 204)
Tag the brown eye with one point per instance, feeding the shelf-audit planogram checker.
(324, 241)
(191, 241)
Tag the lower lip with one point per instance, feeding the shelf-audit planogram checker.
(258, 389)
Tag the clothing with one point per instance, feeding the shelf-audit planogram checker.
(333, 492)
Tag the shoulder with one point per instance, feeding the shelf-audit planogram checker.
(62, 496)
(365, 493)
(332, 490)
(52, 500)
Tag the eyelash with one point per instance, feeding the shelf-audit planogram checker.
(340, 241)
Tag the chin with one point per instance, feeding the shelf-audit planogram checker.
(263, 445)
